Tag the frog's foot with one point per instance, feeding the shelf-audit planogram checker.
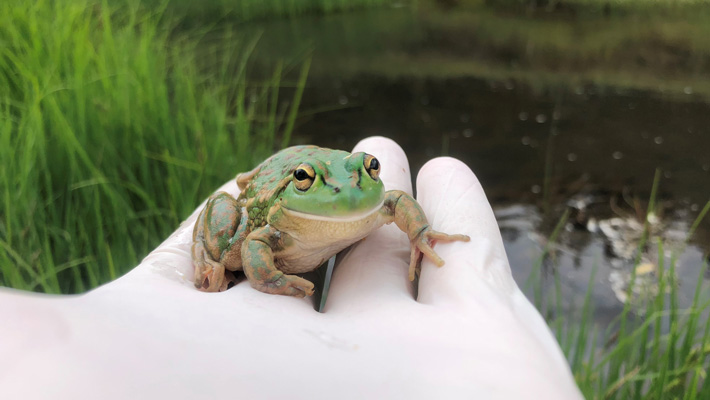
(279, 283)
(422, 245)
(210, 276)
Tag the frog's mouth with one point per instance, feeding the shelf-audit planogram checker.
(345, 218)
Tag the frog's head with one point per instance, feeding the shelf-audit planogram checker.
(342, 186)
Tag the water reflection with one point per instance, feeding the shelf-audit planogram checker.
(611, 251)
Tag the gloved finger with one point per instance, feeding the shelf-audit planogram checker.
(455, 203)
(376, 268)
(476, 278)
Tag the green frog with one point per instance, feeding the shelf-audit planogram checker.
(296, 210)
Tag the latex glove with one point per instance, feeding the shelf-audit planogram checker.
(151, 334)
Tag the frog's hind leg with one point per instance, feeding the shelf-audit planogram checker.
(209, 274)
(212, 239)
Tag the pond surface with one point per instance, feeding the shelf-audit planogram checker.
(571, 145)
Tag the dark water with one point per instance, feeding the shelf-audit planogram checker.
(597, 149)
(539, 150)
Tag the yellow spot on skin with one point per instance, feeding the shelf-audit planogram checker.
(327, 163)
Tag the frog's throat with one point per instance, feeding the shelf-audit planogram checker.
(348, 218)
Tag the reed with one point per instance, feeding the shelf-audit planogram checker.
(114, 125)
(654, 349)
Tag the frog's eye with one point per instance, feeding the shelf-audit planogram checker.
(303, 177)
(372, 166)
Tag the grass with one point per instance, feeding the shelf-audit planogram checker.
(117, 119)
(112, 130)
(654, 350)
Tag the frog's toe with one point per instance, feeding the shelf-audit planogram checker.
(423, 244)
(415, 259)
(436, 235)
(296, 286)
(300, 290)
(288, 285)
(421, 249)
(209, 276)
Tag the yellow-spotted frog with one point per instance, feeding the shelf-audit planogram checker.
(296, 210)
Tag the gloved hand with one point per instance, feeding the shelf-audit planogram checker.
(471, 333)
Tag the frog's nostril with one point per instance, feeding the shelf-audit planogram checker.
(336, 189)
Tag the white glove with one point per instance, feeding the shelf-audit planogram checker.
(471, 333)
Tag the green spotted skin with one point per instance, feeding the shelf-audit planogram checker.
(342, 187)
(295, 210)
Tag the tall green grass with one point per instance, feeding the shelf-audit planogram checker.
(113, 127)
(654, 349)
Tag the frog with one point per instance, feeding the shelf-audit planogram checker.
(296, 210)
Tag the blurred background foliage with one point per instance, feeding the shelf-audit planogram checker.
(113, 131)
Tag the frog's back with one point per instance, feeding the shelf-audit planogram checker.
(267, 180)
(261, 187)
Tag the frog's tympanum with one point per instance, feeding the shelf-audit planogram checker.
(296, 210)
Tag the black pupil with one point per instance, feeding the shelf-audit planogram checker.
(374, 164)
(301, 174)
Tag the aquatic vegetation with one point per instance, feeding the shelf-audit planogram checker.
(112, 129)
(653, 349)
(667, 52)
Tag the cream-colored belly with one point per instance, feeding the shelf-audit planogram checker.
(310, 242)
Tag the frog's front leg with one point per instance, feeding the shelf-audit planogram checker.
(258, 264)
(405, 212)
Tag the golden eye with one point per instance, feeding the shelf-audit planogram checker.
(303, 177)
(372, 166)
